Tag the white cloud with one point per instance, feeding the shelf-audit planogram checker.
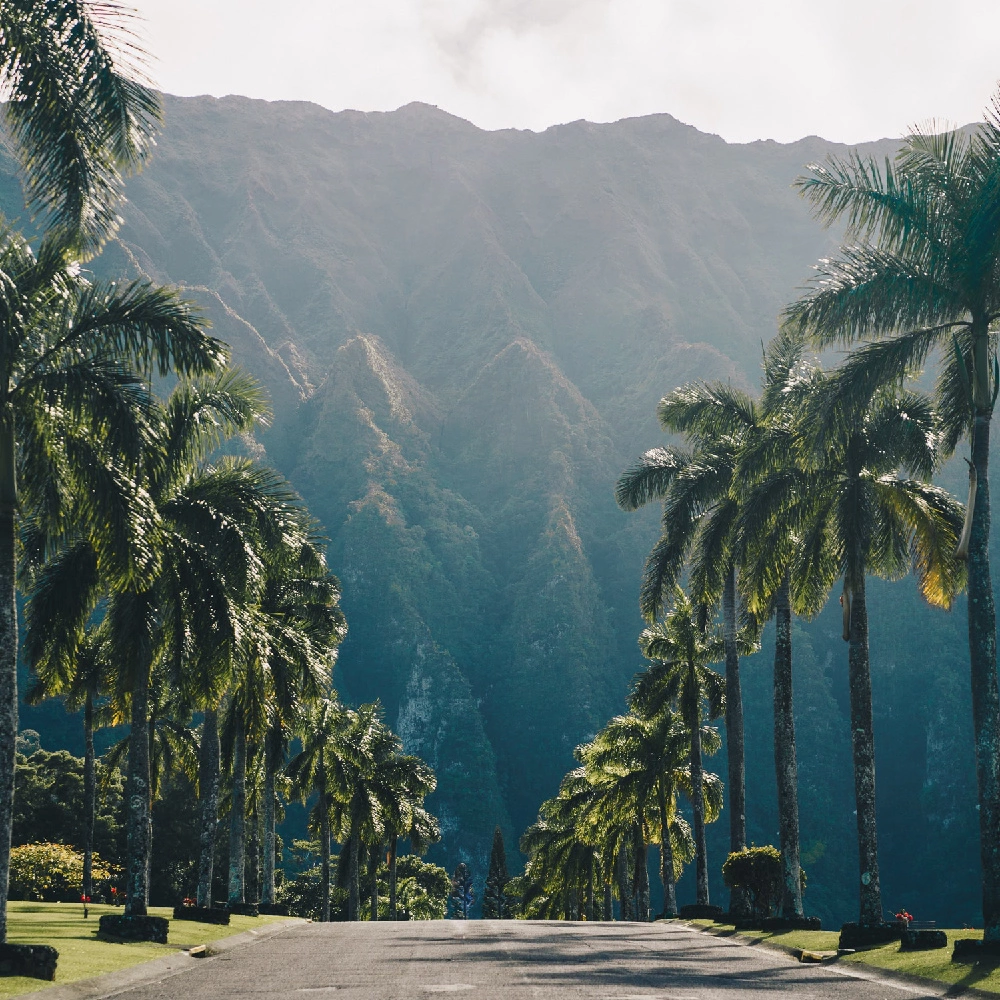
(769, 69)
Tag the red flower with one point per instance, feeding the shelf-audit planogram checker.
(85, 899)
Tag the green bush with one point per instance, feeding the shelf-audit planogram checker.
(53, 873)
(757, 870)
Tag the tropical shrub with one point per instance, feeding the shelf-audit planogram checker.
(53, 873)
(756, 870)
(422, 889)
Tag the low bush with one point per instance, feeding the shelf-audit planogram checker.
(756, 870)
(53, 873)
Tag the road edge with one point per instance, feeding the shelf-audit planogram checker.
(112, 983)
(870, 973)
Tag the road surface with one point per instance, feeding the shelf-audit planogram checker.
(509, 960)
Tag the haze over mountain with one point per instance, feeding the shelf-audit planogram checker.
(465, 335)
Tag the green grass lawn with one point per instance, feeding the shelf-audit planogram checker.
(936, 965)
(81, 955)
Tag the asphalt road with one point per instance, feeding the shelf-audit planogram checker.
(508, 960)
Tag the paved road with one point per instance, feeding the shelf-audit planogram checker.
(508, 960)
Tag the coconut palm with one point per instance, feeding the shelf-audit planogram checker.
(854, 515)
(640, 765)
(700, 510)
(681, 675)
(89, 681)
(922, 275)
(322, 729)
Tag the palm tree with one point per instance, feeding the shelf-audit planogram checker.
(88, 682)
(681, 674)
(854, 515)
(700, 510)
(322, 730)
(421, 829)
(78, 107)
(923, 276)
(640, 764)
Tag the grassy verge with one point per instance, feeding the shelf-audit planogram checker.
(81, 955)
(935, 965)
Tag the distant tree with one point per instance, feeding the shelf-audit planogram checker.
(462, 894)
(681, 674)
(495, 903)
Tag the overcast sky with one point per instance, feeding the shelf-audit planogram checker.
(746, 69)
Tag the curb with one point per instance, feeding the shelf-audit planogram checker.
(869, 973)
(113, 983)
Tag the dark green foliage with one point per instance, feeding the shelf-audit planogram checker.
(423, 889)
(48, 804)
(758, 871)
(496, 905)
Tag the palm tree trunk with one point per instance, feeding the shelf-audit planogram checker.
(609, 905)
(666, 856)
(270, 836)
(89, 796)
(209, 776)
(739, 902)
(373, 860)
(589, 905)
(8, 654)
(785, 766)
(624, 891)
(393, 847)
(863, 746)
(138, 837)
(324, 850)
(983, 662)
(698, 808)
(641, 875)
(354, 887)
(253, 858)
(237, 818)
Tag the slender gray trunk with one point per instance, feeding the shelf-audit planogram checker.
(139, 839)
(641, 875)
(739, 900)
(237, 818)
(785, 766)
(324, 849)
(253, 858)
(209, 776)
(8, 654)
(983, 663)
(609, 905)
(863, 746)
(624, 889)
(373, 859)
(354, 888)
(89, 796)
(589, 905)
(393, 847)
(666, 854)
(270, 836)
(698, 809)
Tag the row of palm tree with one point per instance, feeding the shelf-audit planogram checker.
(163, 579)
(826, 477)
(624, 795)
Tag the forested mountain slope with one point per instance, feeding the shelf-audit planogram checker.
(465, 335)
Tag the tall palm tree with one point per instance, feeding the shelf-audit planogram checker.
(81, 119)
(680, 674)
(856, 516)
(922, 275)
(322, 730)
(700, 510)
